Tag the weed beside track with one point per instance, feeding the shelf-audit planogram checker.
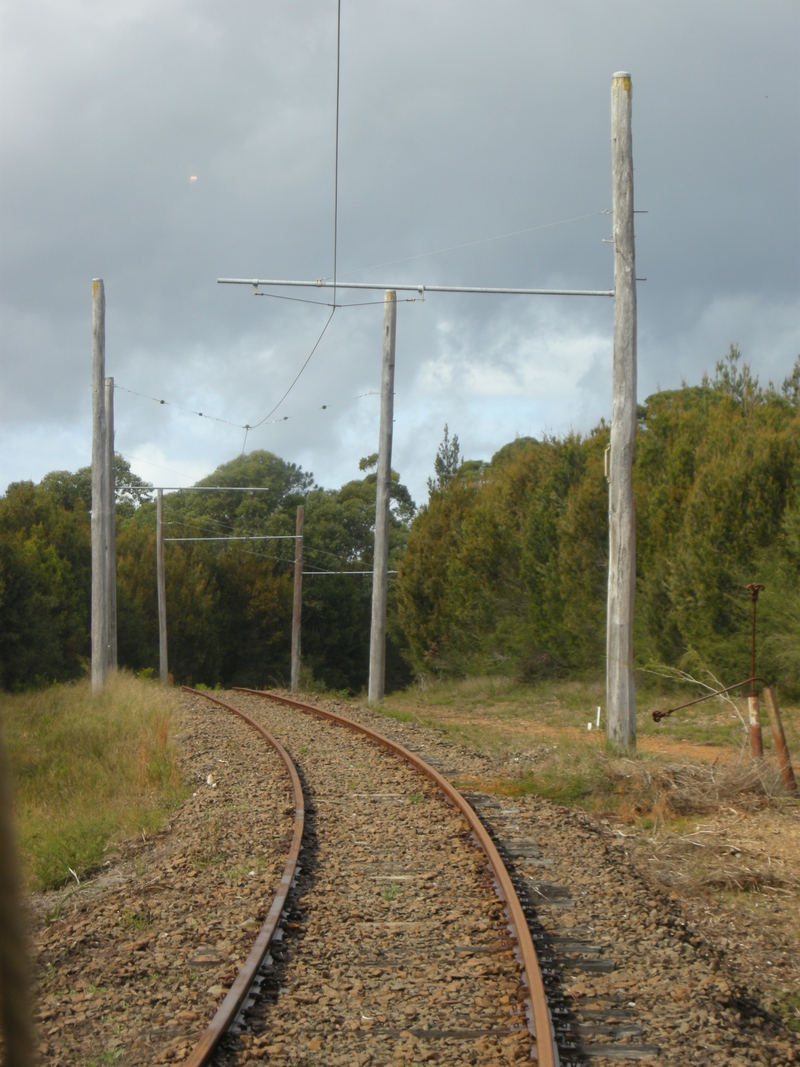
(89, 769)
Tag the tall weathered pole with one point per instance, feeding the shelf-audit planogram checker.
(380, 578)
(297, 599)
(99, 491)
(620, 691)
(163, 670)
(110, 523)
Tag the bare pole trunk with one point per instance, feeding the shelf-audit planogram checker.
(99, 492)
(163, 670)
(297, 599)
(16, 1021)
(111, 529)
(380, 577)
(620, 691)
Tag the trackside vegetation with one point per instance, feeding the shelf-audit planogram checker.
(88, 770)
(506, 566)
(228, 604)
(502, 572)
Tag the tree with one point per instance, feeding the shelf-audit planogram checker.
(45, 573)
(506, 571)
(445, 465)
(74, 491)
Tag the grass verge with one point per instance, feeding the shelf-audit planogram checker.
(691, 763)
(88, 770)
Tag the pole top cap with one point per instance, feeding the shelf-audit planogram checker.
(621, 74)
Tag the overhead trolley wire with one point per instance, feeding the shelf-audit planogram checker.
(470, 244)
(335, 228)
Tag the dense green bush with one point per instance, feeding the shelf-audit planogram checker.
(506, 566)
(229, 605)
(503, 571)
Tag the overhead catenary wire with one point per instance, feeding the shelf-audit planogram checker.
(237, 425)
(313, 573)
(335, 228)
(471, 244)
(256, 537)
(329, 303)
(236, 537)
(291, 562)
(179, 407)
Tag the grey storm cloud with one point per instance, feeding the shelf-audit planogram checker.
(459, 121)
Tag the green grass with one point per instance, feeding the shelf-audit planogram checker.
(539, 730)
(486, 712)
(788, 1006)
(88, 770)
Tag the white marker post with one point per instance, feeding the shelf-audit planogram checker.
(380, 577)
(620, 691)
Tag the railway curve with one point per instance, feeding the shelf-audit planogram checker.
(539, 1022)
(225, 1015)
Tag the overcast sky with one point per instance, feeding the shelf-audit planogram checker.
(459, 121)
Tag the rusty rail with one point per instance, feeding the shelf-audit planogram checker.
(539, 1021)
(204, 1049)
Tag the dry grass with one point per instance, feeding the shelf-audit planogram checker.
(88, 770)
(690, 763)
(684, 788)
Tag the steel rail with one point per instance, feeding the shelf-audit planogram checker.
(539, 1022)
(227, 1011)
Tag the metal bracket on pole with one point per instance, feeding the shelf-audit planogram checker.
(411, 288)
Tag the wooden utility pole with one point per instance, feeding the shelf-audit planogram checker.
(99, 492)
(297, 599)
(620, 691)
(111, 530)
(163, 670)
(380, 578)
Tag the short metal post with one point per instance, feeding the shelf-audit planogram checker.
(297, 599)
(787, 772)
(756, 741)
(380, 578)
(163, 671)
(99, 491)
(111, 527)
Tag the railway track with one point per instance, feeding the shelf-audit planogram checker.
(243, 984)
(391, 946)
(406, 940)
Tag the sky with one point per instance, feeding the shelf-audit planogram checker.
(161, 146)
